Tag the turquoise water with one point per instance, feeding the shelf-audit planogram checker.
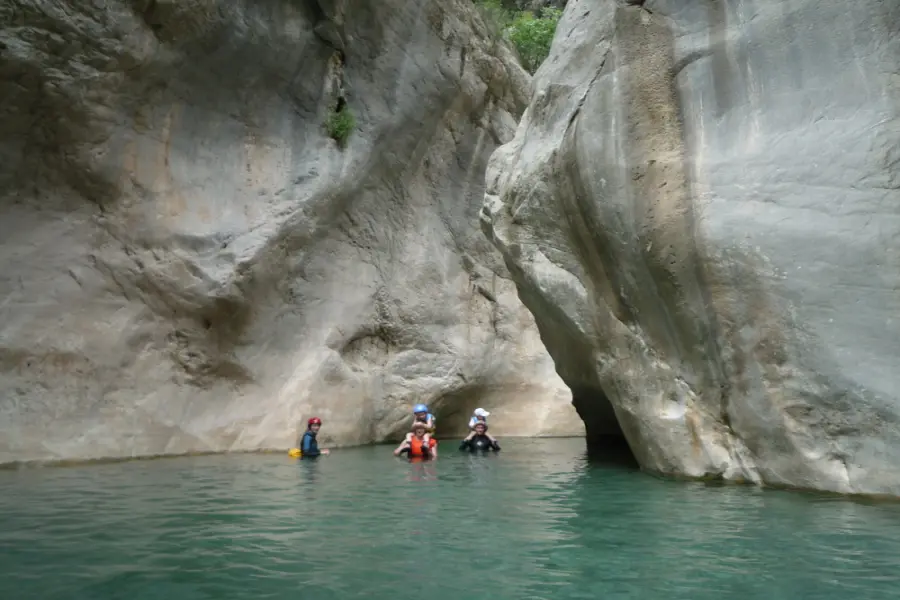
(536, 521)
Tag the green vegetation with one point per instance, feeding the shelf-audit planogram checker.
(340, 124)
(530, 34)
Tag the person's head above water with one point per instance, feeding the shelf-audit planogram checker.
(481, 414)
(418, 429)
(480, 428)
(421, 411)
(314, 424)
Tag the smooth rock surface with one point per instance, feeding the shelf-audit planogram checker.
(189, 263)
(701, 207)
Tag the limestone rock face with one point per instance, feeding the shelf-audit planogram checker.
(188, 262)
(701, 207)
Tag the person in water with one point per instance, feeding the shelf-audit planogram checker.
(421, 415)
(308, 445)
(480, 416)
(418, 444)
(478, 439)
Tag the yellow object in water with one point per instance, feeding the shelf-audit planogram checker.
(295, 453)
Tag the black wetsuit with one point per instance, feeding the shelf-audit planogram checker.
(479, 442)
(309, 446)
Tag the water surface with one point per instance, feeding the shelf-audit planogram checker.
(536, 521)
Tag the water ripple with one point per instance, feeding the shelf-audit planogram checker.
(537, 521)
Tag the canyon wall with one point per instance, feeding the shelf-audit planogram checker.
(701, 207)
(192, 260)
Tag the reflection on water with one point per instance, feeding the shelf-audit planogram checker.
(536, 521)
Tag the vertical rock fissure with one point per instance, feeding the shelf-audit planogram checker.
(660, 187)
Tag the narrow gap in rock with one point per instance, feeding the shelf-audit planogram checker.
(606, 443)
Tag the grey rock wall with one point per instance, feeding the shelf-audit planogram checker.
(701, 207)
(188, 262)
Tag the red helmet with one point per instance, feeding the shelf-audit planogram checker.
(314, 421)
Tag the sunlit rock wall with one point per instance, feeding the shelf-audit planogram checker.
(188, 262)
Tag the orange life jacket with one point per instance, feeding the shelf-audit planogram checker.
(415, 446)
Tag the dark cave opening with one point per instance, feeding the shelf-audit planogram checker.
(606, 442)
(453, 411)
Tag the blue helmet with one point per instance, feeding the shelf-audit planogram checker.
(420, 408)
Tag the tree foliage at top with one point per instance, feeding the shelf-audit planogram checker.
(530, 34)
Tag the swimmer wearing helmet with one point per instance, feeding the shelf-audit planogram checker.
(480, 416)
(421, 414)
(418, 444)
(308, 445)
